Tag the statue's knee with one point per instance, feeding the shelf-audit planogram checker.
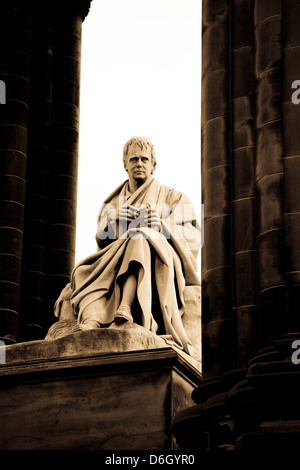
(137, 234)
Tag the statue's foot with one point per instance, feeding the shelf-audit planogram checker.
(89, 325)
(123, 314)
(123, 318)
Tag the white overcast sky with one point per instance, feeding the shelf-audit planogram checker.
(140, 76)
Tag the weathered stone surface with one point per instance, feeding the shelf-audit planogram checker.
(100, 401)
(130, 337)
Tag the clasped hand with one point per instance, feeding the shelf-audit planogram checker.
(144, 215)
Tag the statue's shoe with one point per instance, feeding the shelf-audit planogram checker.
(123, 314)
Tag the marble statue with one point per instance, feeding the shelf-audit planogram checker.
(144, 271)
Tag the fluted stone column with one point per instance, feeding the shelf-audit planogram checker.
(243, 191)
(15, 70)
(64, 156)
(40, 51)
(39, 160)
(291, 159)
(249, 400)
(216, 262)
(271, 283)
(250, 270)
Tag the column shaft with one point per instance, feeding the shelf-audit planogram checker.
(269, 170)
(64, 156)
(291, 161)
(37, 186)
(216, 268)
(243, 180)
(15, 62)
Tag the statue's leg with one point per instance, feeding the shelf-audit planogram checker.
(92, 315)
(129, 291)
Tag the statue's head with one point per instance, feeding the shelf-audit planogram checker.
(143, 143)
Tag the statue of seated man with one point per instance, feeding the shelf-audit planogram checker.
(148, 240)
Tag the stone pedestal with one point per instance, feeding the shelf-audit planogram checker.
(81, 393)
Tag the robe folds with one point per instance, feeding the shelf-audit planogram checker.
(165, 261)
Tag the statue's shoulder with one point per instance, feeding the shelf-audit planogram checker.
(172, 195)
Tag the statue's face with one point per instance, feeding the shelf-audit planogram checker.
(138, 164)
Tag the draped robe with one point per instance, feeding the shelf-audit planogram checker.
(166, 258)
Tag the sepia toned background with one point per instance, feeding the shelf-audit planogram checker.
(247, 395)
(140, 76)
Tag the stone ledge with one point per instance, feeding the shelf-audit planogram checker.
(96, 351)
(86, 399)
(73, 342)
(131, 337)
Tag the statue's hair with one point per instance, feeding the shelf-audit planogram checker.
(142, 142)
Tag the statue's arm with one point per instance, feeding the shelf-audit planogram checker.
(180, 222)
(106, 230)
